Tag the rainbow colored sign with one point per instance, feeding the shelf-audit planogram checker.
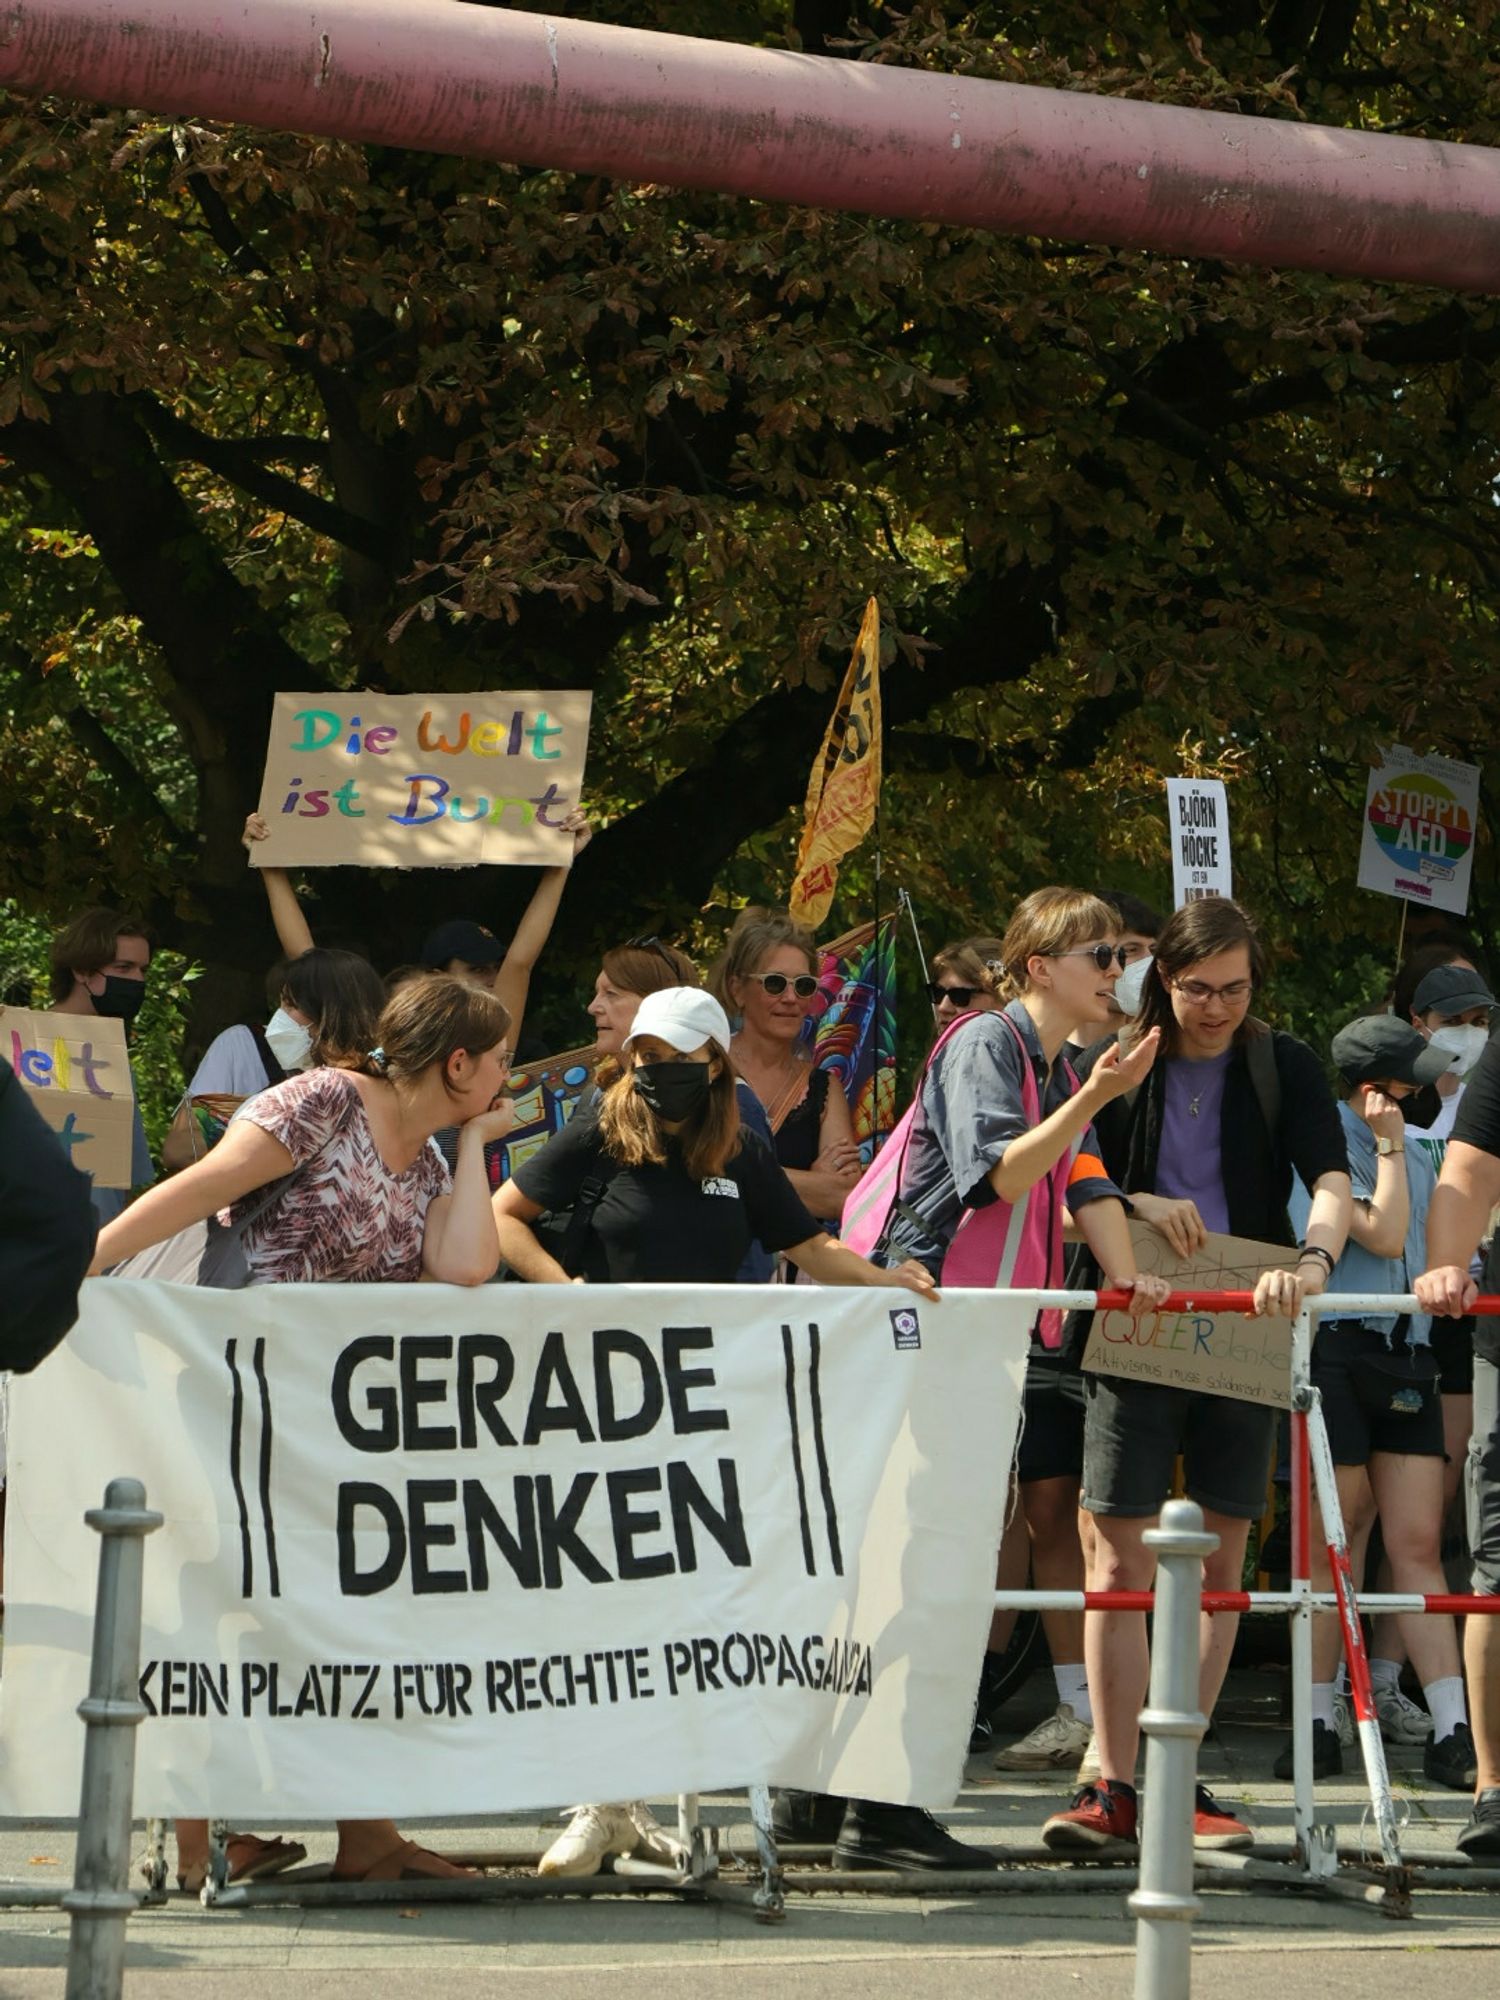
(1421, 815)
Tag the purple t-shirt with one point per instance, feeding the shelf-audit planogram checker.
(1189, 1165)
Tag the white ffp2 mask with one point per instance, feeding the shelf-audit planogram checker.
(1130, 987)
(289, 1041)
(1465, 1045)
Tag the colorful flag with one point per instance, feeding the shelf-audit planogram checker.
(845, 784)
(851, 1026)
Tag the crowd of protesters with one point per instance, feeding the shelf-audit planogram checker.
(1093, 1066)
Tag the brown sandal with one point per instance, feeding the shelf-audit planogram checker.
(258, 1859)
(410, 1863)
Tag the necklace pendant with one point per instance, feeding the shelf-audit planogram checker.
(1193, 1108)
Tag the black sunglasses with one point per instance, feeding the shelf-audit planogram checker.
(655, 944)
(959, 995)
(1103, 955)
(803, 984)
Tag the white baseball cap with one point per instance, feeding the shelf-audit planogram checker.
(684, 1016)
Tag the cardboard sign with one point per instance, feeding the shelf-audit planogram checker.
(423, 781)
(76, 1070)
(545, 1094)
(1421, 815)
(451, 1550)
(1225, 1354)
(1198, 816)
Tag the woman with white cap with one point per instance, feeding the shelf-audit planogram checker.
(672, 1189)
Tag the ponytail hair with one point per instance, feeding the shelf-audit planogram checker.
(429, 1021)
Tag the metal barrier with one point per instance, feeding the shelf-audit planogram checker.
(1315, 1856)
(100, 1899)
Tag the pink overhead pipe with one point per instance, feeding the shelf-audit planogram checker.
(539, 90)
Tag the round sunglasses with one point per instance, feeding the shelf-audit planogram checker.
(1103, 955)
(803, 984)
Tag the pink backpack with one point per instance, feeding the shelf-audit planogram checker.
(1012, 1245)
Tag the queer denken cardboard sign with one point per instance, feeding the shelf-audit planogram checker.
(423, 781)
(1226, 1354)
(76, 1070)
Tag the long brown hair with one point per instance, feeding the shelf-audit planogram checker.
(632, 1132)
(1196, 932)
(342, 996)
(430, 1020)
(1050, 921)
(974, 961)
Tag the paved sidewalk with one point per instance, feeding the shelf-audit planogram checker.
(1040, 1941)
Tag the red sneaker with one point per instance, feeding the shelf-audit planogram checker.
(1213, 1827)
(1101, 1820)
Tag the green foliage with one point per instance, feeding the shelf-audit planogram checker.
(277, 412)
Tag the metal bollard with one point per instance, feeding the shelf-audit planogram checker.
(1164, 1905)
(100, 1900)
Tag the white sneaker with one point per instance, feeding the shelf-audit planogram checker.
(1343, 1720)
(1060, 1740)
(593, 1832)
(1088, 1765)
(1401, 1719)
(652, 1840)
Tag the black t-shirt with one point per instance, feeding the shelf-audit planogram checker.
(1478, 1124)
(655, 1225)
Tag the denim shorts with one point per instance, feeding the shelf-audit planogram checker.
(1376, 1398)
(1134, 1431)
(1051, 1419)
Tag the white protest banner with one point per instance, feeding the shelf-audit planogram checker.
(1224, 1354)
(423, 781)
(435, 1551)
(1421, 815)
(1198, 821)
(76, 1070)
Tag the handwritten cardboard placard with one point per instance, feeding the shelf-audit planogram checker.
(76, 1071)
(545, 1094)
(423, 781)
(1226, 1354)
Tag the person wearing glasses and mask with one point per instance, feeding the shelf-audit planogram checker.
(1193, 1151)
(768, 977)
(965, 979)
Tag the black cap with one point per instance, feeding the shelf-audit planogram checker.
(461, 938)
(1451, 989)
(1377, 1048)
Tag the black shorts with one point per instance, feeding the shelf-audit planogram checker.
(1051, 1419)
(1133, 1432)
(1453, 1344)
(1376, 1398)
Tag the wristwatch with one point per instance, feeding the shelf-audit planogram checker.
(1385, 1147)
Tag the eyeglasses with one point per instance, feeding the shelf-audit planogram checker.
(803, 984)
(1197, 993)
(959, 995)
(655, 944)
(1103, 955)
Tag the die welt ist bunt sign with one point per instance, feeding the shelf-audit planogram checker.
(423, 781)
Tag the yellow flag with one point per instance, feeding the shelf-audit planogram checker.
(845, 782)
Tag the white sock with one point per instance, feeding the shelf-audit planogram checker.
(1385, 1674)
(1322, 1703)
(1446, 1701)
(1073, 1688)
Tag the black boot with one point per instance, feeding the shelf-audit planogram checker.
(882, 1836)
(806, 1818)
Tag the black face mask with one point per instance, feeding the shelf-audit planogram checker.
(1422, 1107)
(121, 999)
(673, 1090)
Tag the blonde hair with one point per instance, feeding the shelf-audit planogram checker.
(632, 1132)
(973, 961)
(756, 933)
(1050, 921)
